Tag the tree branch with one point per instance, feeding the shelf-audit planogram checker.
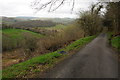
(51, 3)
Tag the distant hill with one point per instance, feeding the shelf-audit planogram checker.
(34, 23)
(26, 17)
(11, 20)
(23, 21)
(58, 20)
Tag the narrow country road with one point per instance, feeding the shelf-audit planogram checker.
(96, 60)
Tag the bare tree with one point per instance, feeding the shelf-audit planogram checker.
(51, 4)
(112, 17)
(90, 21)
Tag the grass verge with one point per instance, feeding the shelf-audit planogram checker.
(22, 69)
(114, 41)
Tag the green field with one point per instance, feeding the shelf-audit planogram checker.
(46, 59)
(13, 38)
(18, 33)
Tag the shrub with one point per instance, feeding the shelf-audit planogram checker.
(9, 44)
(33, 45)
(52, 43)
(29, 43)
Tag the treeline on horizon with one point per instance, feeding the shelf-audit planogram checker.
(30, 23)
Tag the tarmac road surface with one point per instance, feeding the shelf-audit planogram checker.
(95, 60)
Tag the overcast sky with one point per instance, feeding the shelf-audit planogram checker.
(13, 8)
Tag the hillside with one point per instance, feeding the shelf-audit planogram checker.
(58, 20)
(16, 20)
(11, 20)
(26, 17)
(34, 23)
(13, 43)
(14, 37)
